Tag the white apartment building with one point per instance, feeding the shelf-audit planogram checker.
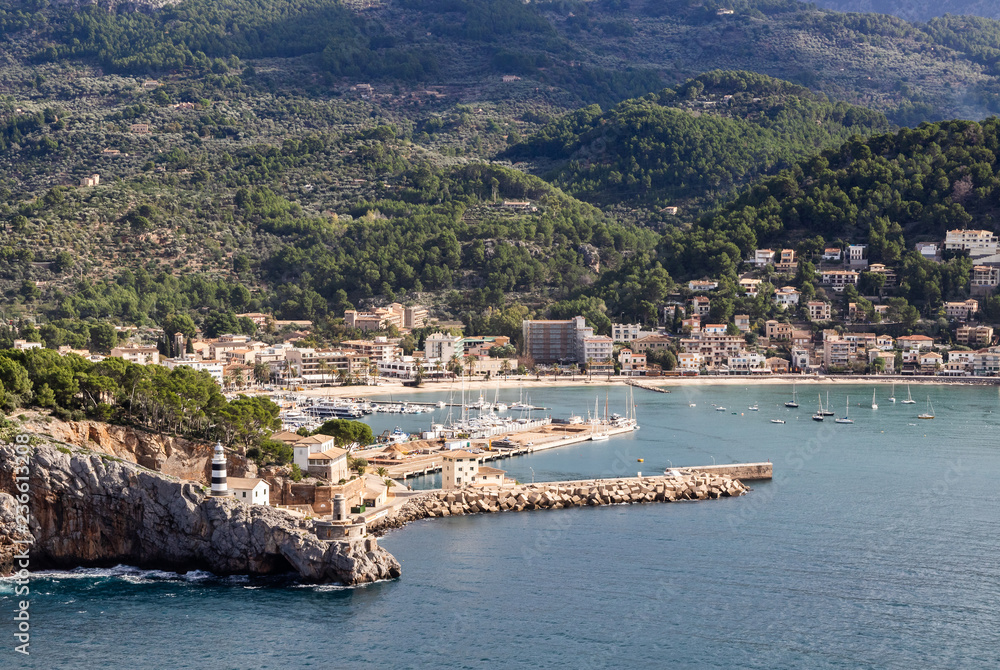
(137, 355)
(838, 279)
(976, 242)
(747, 363)
(762, 257)
(985, 276)
(595, 348)
(690, 361)
(627, 332)
(443, 346)
(786, 295)
(322, 366)
(214, 368)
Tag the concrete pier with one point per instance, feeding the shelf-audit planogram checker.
(746, 472)
(547, 436)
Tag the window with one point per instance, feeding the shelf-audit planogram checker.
(244, 494)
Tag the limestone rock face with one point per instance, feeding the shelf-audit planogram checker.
(170, 455)
(10, 534)
(96, 510)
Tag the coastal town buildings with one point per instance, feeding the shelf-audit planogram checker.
(762, 257)
(787, 296)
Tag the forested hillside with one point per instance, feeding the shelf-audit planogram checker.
(303, 158)
(698, 142)
(889, 191)
(582, 52)
(917, 10)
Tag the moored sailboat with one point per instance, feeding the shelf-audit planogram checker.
(818, 416)
(929, 412)
(847, 411)
(794, 401)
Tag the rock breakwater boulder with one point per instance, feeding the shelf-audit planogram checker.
(560, 495)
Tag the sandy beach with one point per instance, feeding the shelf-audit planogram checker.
(532, 384)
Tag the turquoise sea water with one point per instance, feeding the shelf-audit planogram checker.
(874, 546)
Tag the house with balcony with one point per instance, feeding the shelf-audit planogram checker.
(838, 279)
(818, 310)
(786, 262)
(974, 336)
(787, 296)
(777, 331)
(961, 311)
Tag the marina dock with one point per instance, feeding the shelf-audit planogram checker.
(505, 445)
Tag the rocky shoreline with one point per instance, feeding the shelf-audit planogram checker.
(95, 510)
(559, 495)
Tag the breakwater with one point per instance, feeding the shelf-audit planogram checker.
(747, 472)
(685, 485)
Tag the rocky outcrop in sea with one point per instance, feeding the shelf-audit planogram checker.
(93, 509)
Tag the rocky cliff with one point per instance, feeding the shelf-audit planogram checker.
(90, 509)
(168, 454)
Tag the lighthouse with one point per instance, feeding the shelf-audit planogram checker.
(219, 487)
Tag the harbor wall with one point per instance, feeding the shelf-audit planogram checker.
(743, 471)
(560, 495)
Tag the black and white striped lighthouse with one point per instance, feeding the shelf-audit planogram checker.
(219, 487)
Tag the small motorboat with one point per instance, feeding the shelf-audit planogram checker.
(777, 421)
(753, 408)
(720, 409)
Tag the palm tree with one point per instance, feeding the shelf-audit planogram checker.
(382, 471)
(505, 368)
(324, 368)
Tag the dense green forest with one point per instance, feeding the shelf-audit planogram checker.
(710, 135)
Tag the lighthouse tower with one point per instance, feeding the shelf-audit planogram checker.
(219, 487)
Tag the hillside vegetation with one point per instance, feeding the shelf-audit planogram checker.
(700, 141)
(245, 165)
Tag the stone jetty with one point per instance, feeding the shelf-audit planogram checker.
(684, 486)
